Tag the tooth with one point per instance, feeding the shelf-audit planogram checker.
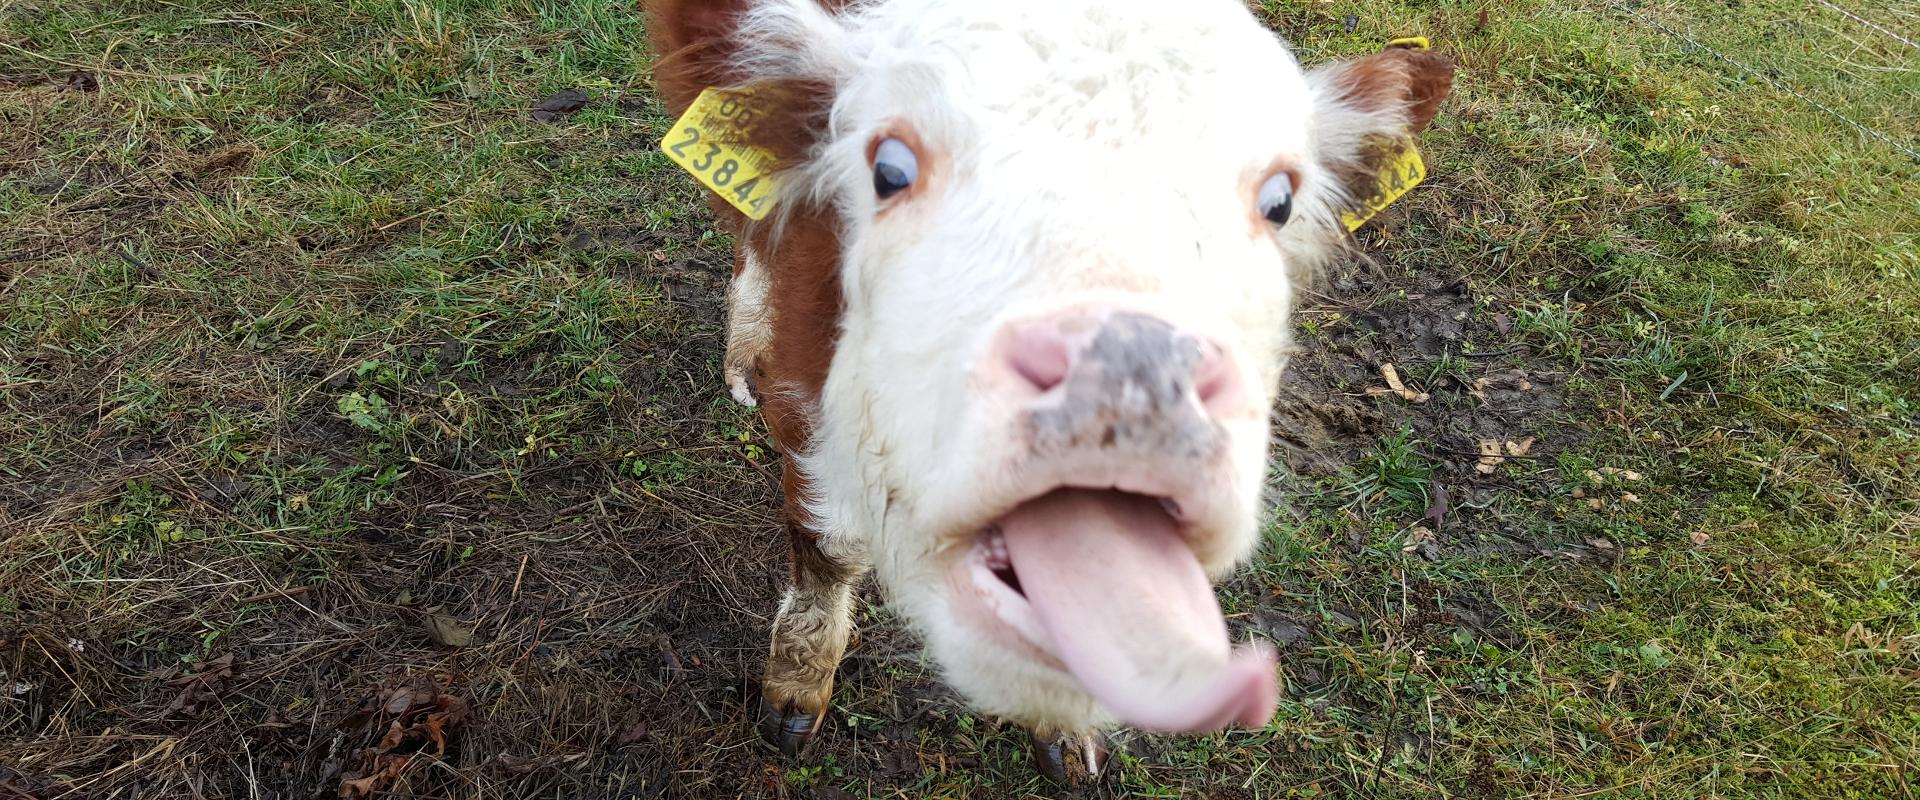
(996, 545)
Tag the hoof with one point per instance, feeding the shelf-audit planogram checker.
(1066, 760)
(789, 729)
(741, 388)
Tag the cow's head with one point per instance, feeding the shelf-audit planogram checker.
(1068, 233)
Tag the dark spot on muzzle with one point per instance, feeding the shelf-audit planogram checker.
(1131, 390)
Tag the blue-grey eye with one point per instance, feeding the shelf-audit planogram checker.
(1276, 198)
(895, 168)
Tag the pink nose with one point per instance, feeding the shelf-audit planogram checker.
(1091, 354)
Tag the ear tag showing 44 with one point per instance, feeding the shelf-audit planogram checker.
(1402, 172)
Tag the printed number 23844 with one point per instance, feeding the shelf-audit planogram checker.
(729, 169)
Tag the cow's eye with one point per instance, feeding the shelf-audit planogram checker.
(895, 168)
(1276, 198)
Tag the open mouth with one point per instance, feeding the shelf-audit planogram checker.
(1105, 585)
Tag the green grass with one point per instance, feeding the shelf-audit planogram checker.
(300, 300)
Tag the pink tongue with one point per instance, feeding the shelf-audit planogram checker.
(1132, 615)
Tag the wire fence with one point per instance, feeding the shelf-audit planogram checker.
(1871, 24)
(1696, 45)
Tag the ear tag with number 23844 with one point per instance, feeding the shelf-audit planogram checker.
(708, 142)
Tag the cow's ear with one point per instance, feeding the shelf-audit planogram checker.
(693, 44)
(1399, 82)
(1361, 104)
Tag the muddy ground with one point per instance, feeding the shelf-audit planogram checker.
(572, 632)
(362, 431)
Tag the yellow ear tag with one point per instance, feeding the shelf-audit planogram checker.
(707, 142)
(1401, 173)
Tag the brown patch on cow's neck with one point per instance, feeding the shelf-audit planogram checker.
(697, 45)
(803, 296)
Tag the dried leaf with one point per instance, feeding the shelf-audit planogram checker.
(1629, 497)
(387, 769)
(1630, 475)
(399, 701)
(201, 686)
(1700, 537)
(1479, 388)
(1595, 503)
(1420, 535)
(636, 732)
(411, 720)
(515, 765)
(359, 787)
(559, 105)
(1519, 448)
(1392, 377)
(1579, 492)
(1490, 457)
(436, 730)
(448, 632)
(1437, 510)
(225, 163)
(1598, 543)
(396, 734)
(1595, 478)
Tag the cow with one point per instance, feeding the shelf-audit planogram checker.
(1015, 321)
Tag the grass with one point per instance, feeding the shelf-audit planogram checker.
(310, 338)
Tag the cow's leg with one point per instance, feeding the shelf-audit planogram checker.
(1066, 759)
(810, 635)
(749, 324)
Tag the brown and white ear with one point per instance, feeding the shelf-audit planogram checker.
(791, 54)
(698, 44)
(1364, 105)
(692, 43)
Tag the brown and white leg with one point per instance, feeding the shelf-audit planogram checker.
(810, 635)
(749, 324)
(1067, 759)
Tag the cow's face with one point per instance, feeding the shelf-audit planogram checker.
(1069, 232)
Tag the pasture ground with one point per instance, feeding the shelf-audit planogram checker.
(338, 397)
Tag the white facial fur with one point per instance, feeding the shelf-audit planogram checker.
(1071, 152)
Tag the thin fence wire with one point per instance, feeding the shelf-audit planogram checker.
(1763, 77)
(1871, 24)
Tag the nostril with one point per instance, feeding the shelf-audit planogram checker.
(1214, 378)
(1040, 356)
